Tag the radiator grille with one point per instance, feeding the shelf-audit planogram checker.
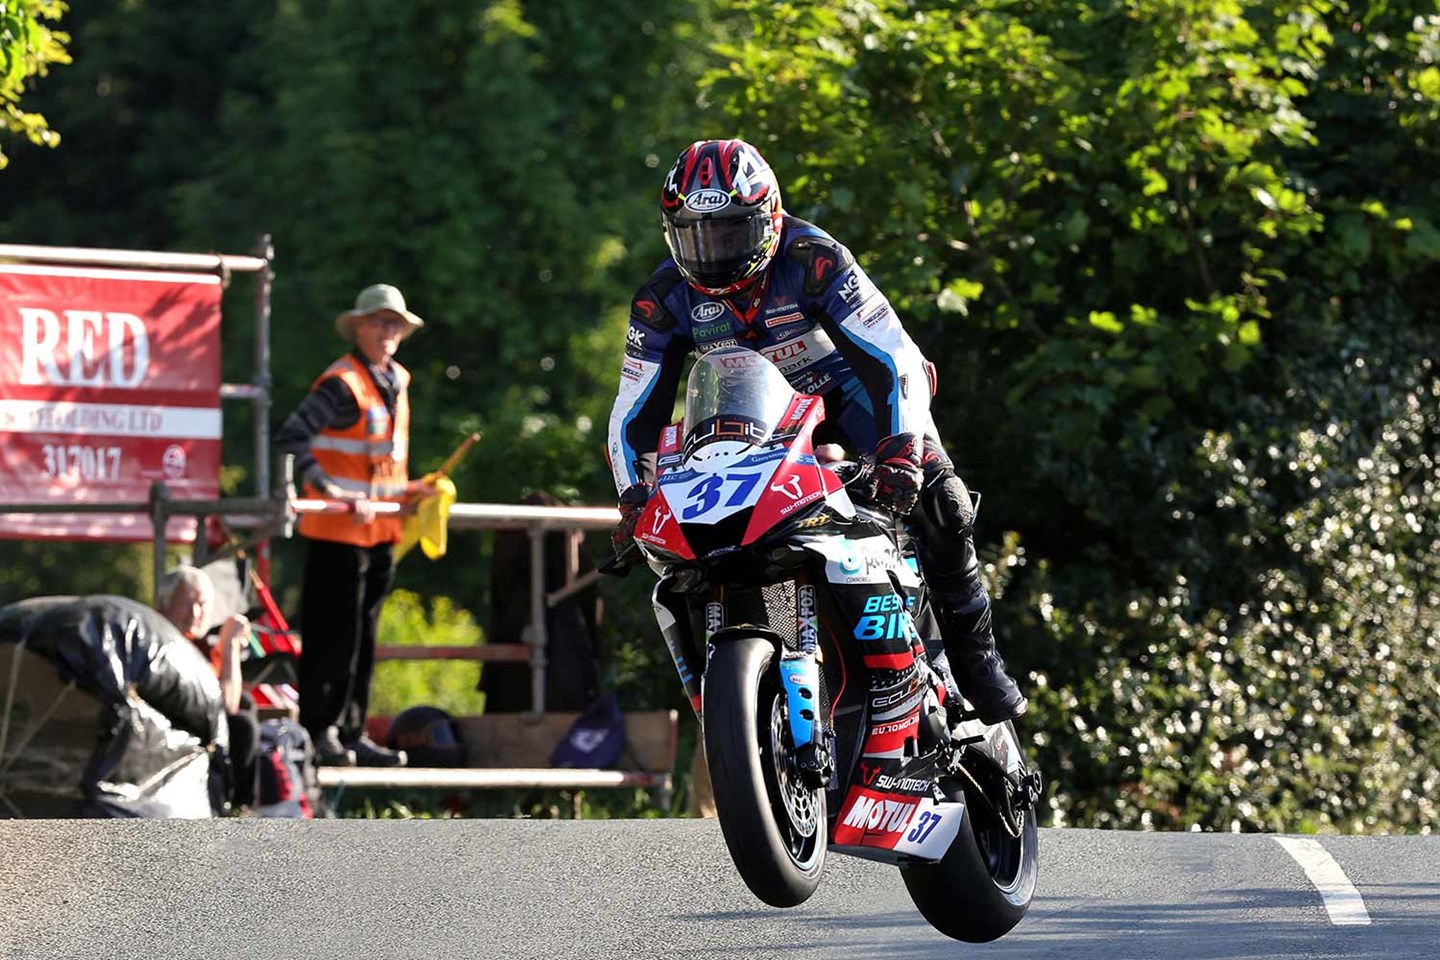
(780, 611)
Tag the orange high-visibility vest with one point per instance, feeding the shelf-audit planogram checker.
(368, 457)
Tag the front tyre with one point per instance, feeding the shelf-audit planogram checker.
(773, 823)
(983, 885)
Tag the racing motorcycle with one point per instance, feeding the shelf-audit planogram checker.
(797, 619)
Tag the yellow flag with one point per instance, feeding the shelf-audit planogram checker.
(427, 525)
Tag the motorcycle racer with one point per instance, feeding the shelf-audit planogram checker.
(742, 272)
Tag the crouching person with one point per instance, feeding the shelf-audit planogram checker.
(187, 599)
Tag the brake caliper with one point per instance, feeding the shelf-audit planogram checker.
(814, 763)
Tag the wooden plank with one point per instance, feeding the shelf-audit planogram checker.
(472, 778)
(524, 739)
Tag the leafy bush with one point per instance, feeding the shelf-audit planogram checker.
(407, 620)
(1173, 261)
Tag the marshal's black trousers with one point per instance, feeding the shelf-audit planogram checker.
(344, 587)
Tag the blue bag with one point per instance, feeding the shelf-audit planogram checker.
(596, 738)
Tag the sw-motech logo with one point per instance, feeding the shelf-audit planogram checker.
(903, 784)
(879, 816)
(791, 487)
(705, 312)
(810, 497)
(707, 201)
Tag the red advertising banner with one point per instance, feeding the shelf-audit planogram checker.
(109, 381)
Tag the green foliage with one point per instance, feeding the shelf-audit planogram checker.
(406, 620)
(378, 804)
(498, 179)
(1156, 249)
(42, 569)
(29, 45)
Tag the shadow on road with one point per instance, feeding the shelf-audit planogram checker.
(1249, 924)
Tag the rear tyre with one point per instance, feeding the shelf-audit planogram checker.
(773, 823)
(983, 885)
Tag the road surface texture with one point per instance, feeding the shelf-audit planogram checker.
(556, 890)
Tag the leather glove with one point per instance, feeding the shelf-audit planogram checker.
(897, 477)
(632, 504)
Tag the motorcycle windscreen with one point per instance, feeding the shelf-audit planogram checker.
(733, 385)
(734, 401)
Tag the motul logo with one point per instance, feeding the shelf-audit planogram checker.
(86, 349)
(879, 816)
(785, 352)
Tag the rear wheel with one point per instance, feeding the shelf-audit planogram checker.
(773, 823)
(983, 885)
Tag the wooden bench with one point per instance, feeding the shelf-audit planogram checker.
(505, 750)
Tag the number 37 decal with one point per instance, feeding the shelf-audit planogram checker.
(924, 826)
(706, 495)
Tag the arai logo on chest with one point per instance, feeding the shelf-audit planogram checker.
(705, 312)
(709, 322)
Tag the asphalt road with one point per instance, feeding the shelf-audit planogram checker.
(665, 889)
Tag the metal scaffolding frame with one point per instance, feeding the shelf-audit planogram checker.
(273, 512)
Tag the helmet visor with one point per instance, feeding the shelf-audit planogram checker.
(717, 252)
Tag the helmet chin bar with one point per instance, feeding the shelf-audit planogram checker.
(748, 277)
(739, 285)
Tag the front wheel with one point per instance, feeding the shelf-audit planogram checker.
(983, 885)
(773, 823)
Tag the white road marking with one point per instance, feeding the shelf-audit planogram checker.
(1342, 900)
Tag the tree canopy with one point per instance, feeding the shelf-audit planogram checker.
(1175, 259)
(29, 44)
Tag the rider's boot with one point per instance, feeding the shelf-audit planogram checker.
(944, 523)
(975, 664)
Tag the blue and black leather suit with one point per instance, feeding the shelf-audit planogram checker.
(819, 318)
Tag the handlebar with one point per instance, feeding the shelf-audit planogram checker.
(621, 563)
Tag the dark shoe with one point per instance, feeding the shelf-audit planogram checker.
(368, 753)
(977, 667)
(329, 751)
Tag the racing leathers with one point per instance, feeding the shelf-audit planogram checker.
(815, 314)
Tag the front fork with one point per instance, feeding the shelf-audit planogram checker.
(799, 669)
(672, 613)
(800, 675)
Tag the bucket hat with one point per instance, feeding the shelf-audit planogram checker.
(378, 298)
